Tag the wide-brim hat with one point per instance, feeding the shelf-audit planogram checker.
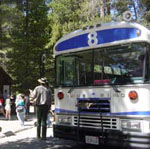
(42, 80)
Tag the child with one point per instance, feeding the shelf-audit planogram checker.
(50, 118)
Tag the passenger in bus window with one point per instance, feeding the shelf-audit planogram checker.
(138, 72)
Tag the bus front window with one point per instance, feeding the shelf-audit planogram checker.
(122, 64)
(74, 69)
(65, 71)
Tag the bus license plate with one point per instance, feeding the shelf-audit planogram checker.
(92, 140)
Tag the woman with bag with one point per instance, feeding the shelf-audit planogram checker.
(20, 108)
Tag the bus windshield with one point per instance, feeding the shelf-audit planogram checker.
(122, 64)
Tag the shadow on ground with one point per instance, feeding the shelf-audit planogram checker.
(50, 143)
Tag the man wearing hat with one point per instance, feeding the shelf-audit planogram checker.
(42, 96)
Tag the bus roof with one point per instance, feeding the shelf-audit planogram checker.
(108, 34)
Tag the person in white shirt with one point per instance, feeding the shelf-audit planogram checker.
(8, 107)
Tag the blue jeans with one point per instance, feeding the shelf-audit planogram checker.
(20, 116)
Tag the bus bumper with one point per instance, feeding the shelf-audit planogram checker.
(107, 137)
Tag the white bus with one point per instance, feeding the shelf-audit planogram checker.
(102, 93)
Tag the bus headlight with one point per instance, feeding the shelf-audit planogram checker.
(131, 125)
(65, 120)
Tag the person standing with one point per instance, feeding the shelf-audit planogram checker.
(27, 104)
(20, 108)
(2, 105)
(42, 96)
(8, 108)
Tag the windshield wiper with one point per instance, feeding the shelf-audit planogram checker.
(115, 88)
(70, 90)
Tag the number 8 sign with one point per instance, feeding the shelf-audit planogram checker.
(92, 39)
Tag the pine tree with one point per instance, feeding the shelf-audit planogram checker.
(29, 38)
(147, 12)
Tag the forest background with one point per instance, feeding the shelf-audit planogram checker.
(29, 30)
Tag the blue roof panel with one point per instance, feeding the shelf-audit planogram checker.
(102, 36)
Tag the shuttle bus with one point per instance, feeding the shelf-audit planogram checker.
(102, 92)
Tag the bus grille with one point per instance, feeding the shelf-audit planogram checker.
(94, 105)
(96, 122)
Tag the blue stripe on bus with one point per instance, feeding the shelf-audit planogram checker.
(132, 113)
(103, 36)
(105, 98)
(75, 42)
(58, 110)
